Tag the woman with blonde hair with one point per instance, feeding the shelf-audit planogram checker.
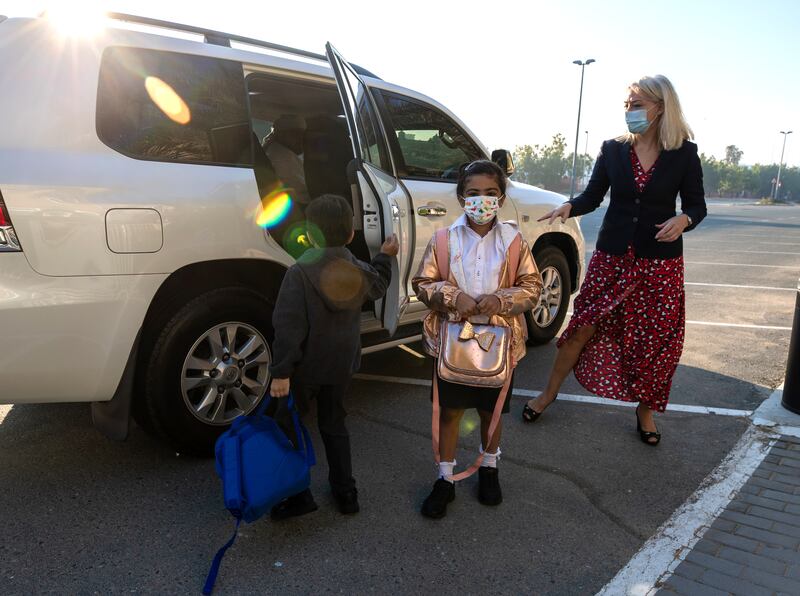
(625, 337)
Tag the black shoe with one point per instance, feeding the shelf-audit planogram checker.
(435, 506)
(651, 438)
(347, 502)
(489, 492)
(296, 505)
(531, 415)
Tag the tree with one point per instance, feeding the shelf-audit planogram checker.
(548, 166)
(733, 155)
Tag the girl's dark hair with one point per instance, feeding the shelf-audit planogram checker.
(481, 166)
(333, 216)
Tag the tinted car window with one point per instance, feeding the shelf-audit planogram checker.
(431, 144)
(165, 106)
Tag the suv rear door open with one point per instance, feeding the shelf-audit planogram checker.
(384, 203)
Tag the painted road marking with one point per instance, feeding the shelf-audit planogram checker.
(698, 283)
(751, 252)
(743, 265)
(662, 553)
(705, 240)
(585, 399)
(737, 325)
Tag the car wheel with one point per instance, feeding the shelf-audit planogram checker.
(548, 315)
(209, 365)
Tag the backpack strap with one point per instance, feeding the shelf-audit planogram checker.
(498, 411)
(514, 251)
(214, 571)
(232, 468)
(442, 238)
(304, 443)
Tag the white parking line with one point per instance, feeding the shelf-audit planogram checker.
(662, 553)
(704, 240)
(585, 399)
(739, 325)
(743, 265)
(698, 283)
(750, 252)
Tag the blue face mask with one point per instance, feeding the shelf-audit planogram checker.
(637, 121)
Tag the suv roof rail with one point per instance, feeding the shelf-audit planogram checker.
(220, 38)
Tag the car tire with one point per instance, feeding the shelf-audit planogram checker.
(190, 392)
(546, 318)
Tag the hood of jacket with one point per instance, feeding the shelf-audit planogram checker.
(340, 280)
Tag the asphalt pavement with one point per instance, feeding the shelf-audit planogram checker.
(80, 514)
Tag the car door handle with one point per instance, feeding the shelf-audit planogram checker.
(432, 210)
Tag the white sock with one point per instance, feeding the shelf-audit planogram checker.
(490, 459)
(446, 469)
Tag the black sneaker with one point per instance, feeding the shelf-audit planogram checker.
(489, 492)
(296, 505)
(435, 506)
(347, 502)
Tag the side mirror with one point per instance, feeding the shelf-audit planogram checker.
(502, 158)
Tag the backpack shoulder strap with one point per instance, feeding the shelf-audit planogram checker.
(443, 252)
(514, 251)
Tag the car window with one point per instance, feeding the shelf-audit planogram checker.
(431, 144)
(165, 106)
(372, 149)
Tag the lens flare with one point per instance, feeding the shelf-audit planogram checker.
(77, 19)
(167, 100)
(274, 209)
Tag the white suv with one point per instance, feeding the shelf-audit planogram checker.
(133, 274)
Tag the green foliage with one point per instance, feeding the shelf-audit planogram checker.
(549, 166)
(723, 178)
(733, 155)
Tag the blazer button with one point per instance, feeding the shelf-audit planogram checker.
(638, 201)
(635, 219)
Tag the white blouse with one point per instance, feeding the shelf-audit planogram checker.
(476, 262)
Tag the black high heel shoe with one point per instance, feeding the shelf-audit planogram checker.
(531, 415)
(647, 435)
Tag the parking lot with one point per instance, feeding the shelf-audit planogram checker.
(80, 514)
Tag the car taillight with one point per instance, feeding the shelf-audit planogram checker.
(8, 237)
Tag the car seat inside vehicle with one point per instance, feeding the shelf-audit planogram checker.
(326, 150)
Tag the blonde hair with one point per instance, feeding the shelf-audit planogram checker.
(673, 129)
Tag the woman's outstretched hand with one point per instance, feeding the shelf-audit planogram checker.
(563, 212)
(671, 230)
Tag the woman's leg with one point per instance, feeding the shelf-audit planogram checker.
(647, 420)
(449, 421)
(566, 358)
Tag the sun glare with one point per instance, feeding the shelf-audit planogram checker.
(167, 100)
(77, 19)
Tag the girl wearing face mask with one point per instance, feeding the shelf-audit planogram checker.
(479, 288)
(625, 337)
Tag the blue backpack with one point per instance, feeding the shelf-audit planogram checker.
(259, 467)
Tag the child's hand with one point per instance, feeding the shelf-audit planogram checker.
(391, 246)
(466, 305)
(489, 305)
(279, 388)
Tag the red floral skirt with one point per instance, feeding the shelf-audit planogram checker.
(638, 307)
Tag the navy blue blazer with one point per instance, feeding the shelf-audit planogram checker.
(632, 216)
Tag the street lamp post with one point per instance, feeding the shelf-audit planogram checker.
(583, 65)
(780, 166)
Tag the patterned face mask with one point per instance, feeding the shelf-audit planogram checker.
(481, 210)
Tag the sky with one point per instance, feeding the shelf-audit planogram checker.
(505, 68)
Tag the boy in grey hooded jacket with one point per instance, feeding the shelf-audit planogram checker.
(317, 345)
